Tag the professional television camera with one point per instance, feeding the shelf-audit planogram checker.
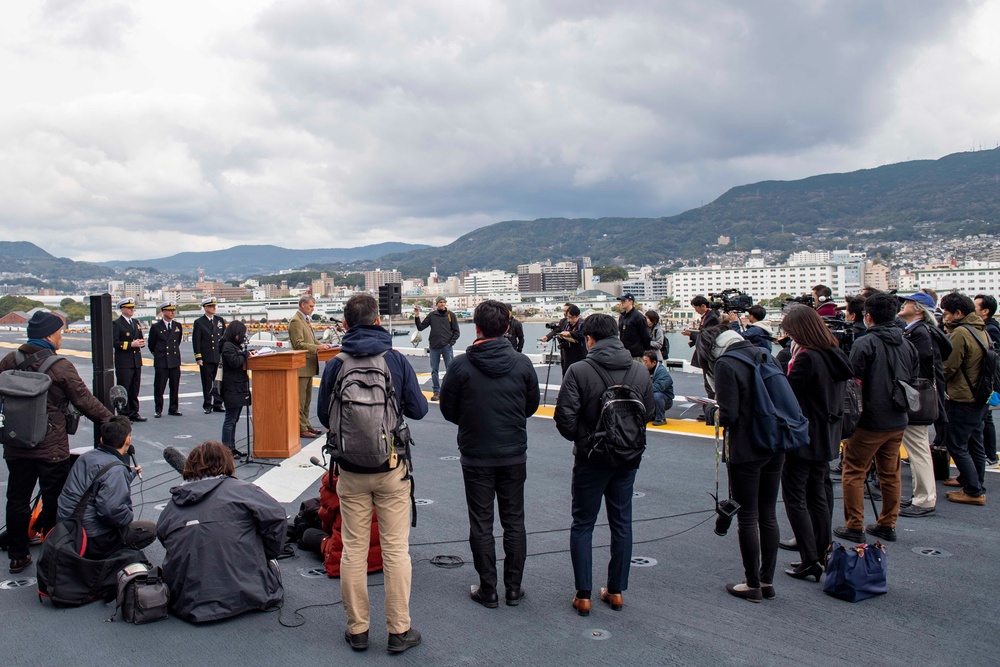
(553, 326)
(731, 301)
(838, 326)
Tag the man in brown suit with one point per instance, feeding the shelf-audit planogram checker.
(301, 336)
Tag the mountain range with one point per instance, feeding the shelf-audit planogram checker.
(245, 260)
(953, 196)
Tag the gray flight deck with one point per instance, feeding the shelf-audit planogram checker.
(942, 607)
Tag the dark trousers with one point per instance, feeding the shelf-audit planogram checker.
(161, 376)
(130, 379)
(136, 535)
(989, 435)
(21, 479)
(590, 484)
(804, 487)
(964, 439)
(208, 372)
(229, 426)
(754, 485)
(506, 483)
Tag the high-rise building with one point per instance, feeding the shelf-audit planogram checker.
(378, 277)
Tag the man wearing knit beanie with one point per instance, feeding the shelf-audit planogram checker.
(48, 463)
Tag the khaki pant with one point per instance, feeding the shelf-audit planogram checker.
(388, 493)
(859, 450)
(916, 439)
(305, 399)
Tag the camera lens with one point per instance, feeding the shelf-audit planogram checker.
(722, 523)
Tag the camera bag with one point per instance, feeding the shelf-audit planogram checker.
(65, 575)
(142, 595)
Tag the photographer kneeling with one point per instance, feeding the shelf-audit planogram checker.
(221, 535)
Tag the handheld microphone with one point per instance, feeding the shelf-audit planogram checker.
(175, 458)
(119, 398)
(316, 462)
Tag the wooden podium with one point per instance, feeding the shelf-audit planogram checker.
(327, 355)
(275, 406)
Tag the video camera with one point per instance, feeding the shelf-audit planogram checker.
(805, 300)
(731, 301)
(553, 326)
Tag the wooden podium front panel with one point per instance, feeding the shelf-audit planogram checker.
(275, 394)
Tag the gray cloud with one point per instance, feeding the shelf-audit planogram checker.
(344, 123)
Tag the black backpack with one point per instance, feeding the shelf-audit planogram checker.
(989, 371)
(852, 409)
(619, 439)
(68, 578)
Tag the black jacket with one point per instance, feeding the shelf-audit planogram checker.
(993, 331)
(819, 381)
(579, 404)
(515, 334)
(490, 392)
(220, 535)
(444, 328)
(874, 358)
(206, 339)
(734, 394)
(110, 506)
(122, 335)
(235, 379)
(709, 319)
(633, 330)
(165, 344)
(930, 365)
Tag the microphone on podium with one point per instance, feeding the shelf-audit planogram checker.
(175, 458)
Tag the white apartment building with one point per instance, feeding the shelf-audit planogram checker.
(968, 281)
(490, 282)
(760, 282)
(649, 289)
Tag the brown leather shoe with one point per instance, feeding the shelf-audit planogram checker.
(614, 599)
(961, 496)
(307, 434)
(582, 606)
(951, 481)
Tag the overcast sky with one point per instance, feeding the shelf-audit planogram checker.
(140, 129)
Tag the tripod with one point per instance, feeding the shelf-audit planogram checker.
(548, 372)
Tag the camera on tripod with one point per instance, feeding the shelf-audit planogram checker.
(731, 301)
(553, 326)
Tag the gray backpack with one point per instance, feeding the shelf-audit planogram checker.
(24, 395)
(366, 427)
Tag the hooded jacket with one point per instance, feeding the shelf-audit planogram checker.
(760, 334)
(819, 380)
(67, 388)
(965, 355)
(366, 341)
(444, 328)
(110, 506)
(490, 392)
(734, 386)
(579, 404)
(875, 358)
(220, 535)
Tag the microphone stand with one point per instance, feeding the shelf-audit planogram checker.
(249, 405)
